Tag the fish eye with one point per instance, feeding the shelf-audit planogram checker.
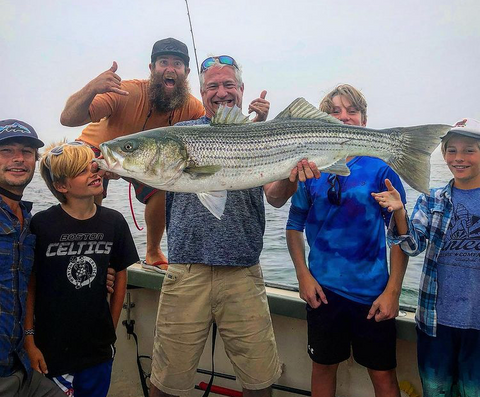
(129, 146)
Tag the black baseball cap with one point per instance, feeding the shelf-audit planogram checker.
(12, 128)
(170, 46)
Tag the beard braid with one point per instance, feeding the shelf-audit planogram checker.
(163, 102)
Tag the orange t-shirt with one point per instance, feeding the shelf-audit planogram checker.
(116, 115)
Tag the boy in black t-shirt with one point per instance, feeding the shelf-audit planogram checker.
(67, 302)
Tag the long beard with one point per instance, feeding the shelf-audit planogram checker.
(163, 101)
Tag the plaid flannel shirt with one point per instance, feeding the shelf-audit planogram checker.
(16, 260)
(429, 221)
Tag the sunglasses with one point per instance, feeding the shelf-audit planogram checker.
(222, 59)
(57, 151)
(334, 193)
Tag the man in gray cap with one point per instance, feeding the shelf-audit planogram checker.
(19, 145)
(115, 108)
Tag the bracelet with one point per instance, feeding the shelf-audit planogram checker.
(30, 331)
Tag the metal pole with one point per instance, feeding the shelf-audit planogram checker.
(193, 38)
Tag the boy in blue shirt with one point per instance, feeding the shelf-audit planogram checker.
(71, 324)
(447, 225)
(352, 300)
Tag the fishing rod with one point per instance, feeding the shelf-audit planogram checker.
(193, 38)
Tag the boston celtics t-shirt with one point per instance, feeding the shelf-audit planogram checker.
(73, 324)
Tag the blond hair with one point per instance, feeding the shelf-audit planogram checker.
(69, 163)
(355, 97)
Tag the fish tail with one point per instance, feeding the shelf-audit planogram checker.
(416, 144)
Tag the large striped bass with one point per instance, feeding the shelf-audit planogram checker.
(232, 153)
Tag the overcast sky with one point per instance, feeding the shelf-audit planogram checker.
(416, 62)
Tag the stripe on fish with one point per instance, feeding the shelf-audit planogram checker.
(233, 153)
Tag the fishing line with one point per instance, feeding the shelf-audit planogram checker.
(193, 38)
(131, 206)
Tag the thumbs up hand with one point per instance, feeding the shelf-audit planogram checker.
(260, 106)
(108, 81)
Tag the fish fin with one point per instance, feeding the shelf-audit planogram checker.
(214, 202)
(301, 109)
(202, 172)
(229, 115)
(416, 144)
(339, 168)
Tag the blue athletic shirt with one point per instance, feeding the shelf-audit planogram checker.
(347, 242)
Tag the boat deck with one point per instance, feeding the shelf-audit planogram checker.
(289, 322)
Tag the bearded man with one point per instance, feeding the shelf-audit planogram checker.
(19, 145)
(115, 108)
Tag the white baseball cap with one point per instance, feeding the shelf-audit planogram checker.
(467, 127)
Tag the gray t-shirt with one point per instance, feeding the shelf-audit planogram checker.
(458, 297)
(194, 235)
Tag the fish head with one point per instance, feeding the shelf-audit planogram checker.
(152, 157)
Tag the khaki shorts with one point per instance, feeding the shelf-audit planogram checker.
(195, 296)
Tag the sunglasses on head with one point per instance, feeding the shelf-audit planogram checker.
(334, 193)
(57, 151)
(222, 59)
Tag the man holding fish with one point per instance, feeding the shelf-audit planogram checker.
(215, 238)
(113, 108)
(214, 273)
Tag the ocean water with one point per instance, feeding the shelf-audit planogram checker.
(275, 259)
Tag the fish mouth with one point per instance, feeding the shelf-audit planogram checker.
(110, 158)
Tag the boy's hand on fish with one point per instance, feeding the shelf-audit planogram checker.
(102, 173)
(260, 106)
(304, 170)
(390, 199)
(108, 175)
(311, 292)
(107, 81)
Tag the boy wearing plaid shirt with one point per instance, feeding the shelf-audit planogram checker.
(447, 225)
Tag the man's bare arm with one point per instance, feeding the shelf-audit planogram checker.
(76, 109)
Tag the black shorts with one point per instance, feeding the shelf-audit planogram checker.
(342, 323)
